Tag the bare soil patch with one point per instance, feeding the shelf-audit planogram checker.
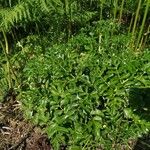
(15, 132)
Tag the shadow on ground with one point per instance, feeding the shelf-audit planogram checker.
(139, 101)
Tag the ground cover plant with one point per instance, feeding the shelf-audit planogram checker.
(80, 96)
(76, 68)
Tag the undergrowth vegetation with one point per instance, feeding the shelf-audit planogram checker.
(72, 65)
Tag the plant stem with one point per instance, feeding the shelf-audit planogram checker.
(136, 18)
(100, 18)
(6, 52)
(143, 23)
(101, 10)
(68, 26)
(140, 44)
(115, 9)
(131, 22)
(147, 35)
(9, 67)
(121, 10)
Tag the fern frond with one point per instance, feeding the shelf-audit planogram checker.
(28, 10)
(13, 15)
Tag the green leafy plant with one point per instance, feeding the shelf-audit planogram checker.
(79, 95)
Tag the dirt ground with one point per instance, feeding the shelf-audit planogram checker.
(15, 132)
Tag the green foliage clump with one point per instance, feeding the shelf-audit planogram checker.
(80, 95)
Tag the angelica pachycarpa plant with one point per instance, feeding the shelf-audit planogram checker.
(79, 96)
